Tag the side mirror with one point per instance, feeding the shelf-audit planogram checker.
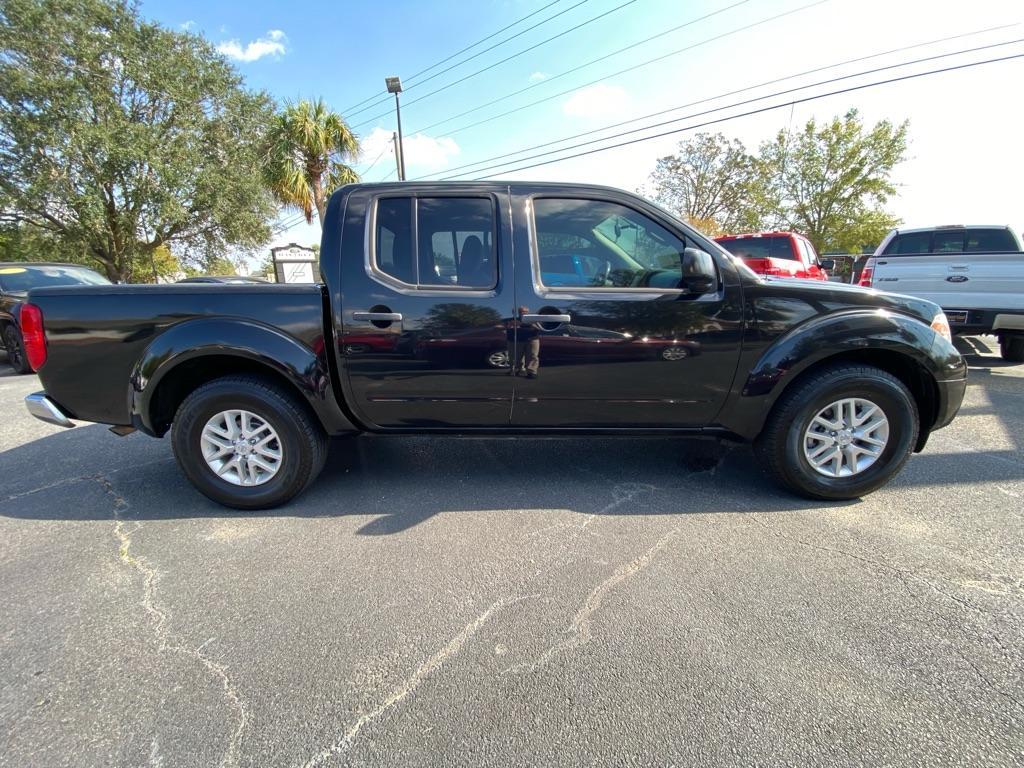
(828, 264)
(699, 273)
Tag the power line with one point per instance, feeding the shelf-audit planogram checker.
(551, 78)
(382, 152)
(733, 93)
(783, 105)
(386, 96)
(636, 66)
(467, 48)
(464, 78)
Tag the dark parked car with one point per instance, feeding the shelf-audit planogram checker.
(226, 280)
(834, 393)
(16, 279)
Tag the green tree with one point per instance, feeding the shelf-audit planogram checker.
(307, 149)
(712, 183)
(118, 137)
(832, 181)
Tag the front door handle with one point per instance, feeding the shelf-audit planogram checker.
(546, 318)
(378, 317)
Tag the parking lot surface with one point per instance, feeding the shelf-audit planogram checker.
(513, 602)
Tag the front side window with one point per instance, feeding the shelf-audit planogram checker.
(454, 244)
(599, 244)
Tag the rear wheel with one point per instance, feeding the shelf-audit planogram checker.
(840, 433)
(247, 443)
(16, 350)
(1011, 348)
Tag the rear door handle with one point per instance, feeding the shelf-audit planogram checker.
(546, 319)
(380, 317)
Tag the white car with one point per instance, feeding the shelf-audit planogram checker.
(975, 273)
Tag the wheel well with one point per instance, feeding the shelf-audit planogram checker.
(188, 376)
(915, 376)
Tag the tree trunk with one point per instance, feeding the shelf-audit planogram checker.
(318, 199)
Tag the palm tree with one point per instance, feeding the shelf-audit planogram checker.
(308, 145)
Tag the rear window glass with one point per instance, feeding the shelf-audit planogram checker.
(998, 240)
(23, 278)
(948, 242)
(760, 248)
(912, 242)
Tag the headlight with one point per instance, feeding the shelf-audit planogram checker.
(941, 326)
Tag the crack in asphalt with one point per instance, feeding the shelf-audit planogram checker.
(79, 479)
(410, 684)
(159, 618)
(580, 626)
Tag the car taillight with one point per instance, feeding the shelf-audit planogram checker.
(32, 335)
(866, 275)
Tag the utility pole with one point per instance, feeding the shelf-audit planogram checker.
(398, 156)
(394, 85)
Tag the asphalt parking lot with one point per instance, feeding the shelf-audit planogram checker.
(513, 602)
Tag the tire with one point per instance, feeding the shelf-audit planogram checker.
(497, 359)
(781, 445)
(1011, 349)
(16, 350)
(301, 442)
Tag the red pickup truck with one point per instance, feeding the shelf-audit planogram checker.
(778, 254)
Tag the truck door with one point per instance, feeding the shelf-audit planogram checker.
(629, 344)
(425, 307)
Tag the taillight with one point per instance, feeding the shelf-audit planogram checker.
(865, 276)
(32, 335)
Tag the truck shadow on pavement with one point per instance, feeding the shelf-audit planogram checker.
(401, 482)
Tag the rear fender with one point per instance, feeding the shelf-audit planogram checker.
(307, 370)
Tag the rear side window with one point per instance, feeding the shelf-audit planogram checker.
(760, 248)
(911, 242)
(393, 239)
(992, 240)
(453, 245)
(23, 278)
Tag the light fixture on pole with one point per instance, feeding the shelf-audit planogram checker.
(394, 85)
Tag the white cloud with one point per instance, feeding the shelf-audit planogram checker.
(536, 77)
(426, 153)
(599, 100)
(272, 44)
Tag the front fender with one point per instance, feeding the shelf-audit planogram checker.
(306, 369)
(834, 335)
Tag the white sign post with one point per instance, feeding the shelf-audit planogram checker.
(294, 264)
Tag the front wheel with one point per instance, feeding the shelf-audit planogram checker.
(1011, 349)
(247, 443)
(16, 350)
(841, 433)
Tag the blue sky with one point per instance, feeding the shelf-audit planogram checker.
(966, 160)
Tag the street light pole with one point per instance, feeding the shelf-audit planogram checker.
(394, 85)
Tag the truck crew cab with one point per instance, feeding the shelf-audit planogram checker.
(614, 317)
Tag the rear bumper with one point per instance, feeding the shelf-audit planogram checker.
(44, 409)
(951, 395)
(978, 321)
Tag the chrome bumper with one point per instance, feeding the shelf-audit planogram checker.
(44, 409)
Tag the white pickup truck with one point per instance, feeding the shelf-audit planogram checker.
(975, 273)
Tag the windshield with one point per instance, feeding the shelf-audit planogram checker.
(23, 278)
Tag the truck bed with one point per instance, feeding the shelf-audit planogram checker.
(96, 335)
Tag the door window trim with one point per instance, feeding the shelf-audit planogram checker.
(535, 271)
(378, 275)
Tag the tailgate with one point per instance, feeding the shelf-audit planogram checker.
(956, 281)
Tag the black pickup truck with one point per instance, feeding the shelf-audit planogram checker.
(495, 308)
